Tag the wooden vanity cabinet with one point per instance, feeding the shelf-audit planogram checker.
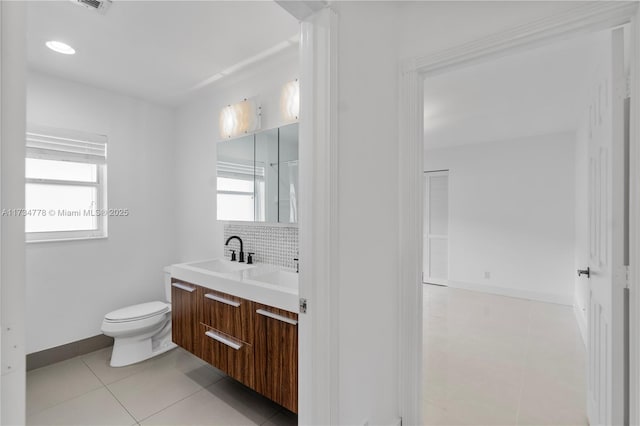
(226, 334)
(276, 355)
(253, 343)
(229, 314)
(231, 355)
(184, 315)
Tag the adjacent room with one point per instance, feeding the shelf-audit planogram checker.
(507, 149)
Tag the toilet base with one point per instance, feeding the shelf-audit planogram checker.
(127, 353)
(130, 350)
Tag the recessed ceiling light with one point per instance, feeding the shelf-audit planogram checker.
(60, 47)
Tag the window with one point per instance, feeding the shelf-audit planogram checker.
(235, 191)
(65, 192)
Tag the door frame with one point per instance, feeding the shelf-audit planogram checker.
(582, 19)
(318, 224)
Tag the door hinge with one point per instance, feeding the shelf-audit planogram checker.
(303, 305)
(626, 276)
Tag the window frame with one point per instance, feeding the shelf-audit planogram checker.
(100, 184)
(234, 193)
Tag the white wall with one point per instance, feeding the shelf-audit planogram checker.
(367, 213)
(200, 235)
(72, 284)
(511, 213)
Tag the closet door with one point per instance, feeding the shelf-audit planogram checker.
(436, 228)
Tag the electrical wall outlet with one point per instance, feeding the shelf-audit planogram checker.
(487, 275)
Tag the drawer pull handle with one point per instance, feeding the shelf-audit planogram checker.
(277, 317)
(222, 300)
(223, 340)
(184, 287)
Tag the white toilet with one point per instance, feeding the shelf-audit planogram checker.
(140, 331)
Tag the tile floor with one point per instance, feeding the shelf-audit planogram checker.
(489, 360)
(173, 389)
(494, 360)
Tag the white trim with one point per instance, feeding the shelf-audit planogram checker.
(582, 19)
(2, 281)
(12, 246)
(585, 18)
(410, 215)
(634, 215)
(318, 226)
(436, 281)
(512, 292)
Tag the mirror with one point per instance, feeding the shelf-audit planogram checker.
(266, 175)
(235, 179)
(257, 177)
(288, 174)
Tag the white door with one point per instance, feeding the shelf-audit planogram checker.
(605, 328)
(436, 228)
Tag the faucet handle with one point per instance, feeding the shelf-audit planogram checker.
(250, 258)
(233, 255)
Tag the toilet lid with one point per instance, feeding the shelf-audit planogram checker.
(137, 312)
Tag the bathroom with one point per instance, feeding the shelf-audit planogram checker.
(156, 108)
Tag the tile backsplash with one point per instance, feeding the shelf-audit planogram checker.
(275, 245)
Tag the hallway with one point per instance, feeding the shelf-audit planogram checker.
(492, 360)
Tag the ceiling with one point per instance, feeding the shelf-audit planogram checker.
(156, 50)
(536, 92)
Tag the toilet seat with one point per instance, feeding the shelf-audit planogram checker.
(137, 312)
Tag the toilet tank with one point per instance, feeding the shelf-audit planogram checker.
(167, 285)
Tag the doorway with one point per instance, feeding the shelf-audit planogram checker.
(510, 131)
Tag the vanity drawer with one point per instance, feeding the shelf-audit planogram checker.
(228, 314)
(231, 355)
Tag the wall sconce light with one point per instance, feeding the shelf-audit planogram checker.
(240, 118)
(290, 101)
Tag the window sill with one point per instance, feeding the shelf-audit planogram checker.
(58, 240)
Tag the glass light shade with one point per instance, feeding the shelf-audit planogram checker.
(240, 118)
(290, 101)
(60, 47)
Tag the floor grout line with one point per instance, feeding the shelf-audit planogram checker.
(68, 399)
(202, 388)
(109, 390)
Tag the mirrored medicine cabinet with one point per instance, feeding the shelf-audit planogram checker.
(257, 176)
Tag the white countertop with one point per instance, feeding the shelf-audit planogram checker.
(262, 283)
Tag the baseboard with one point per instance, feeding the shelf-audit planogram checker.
(581, 319)
(510, 292)
(67, 351)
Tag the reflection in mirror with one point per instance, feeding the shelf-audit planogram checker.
(235, 179)
(288, 174)
(266, 173)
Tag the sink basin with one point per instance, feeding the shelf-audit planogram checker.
(279, 278)
(221, 266)
(262, 283)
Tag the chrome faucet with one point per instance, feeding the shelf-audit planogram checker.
(241, 255)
